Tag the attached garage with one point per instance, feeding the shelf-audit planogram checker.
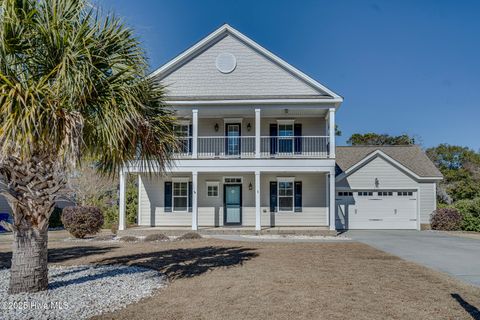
(377, 209)
(388, 187)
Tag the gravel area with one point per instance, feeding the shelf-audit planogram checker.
(80, 292)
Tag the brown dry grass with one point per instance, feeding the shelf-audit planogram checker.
(213, 279)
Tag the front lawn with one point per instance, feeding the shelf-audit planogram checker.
(214, 279)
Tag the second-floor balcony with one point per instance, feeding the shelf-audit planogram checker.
(245, 147)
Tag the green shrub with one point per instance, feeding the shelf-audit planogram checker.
(80, 221)
(448, 219)
(470, 211)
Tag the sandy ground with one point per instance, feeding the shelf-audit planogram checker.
(219, 279)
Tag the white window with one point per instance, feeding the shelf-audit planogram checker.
(180, 196)
(365, 193)
(212, 189)
(345, 194)
(232, 180)
(182, 132)
(405, 193)
(385, 193)
(285, 194)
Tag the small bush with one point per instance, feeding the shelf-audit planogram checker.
(190, 236)
(156, 237)
(80, 221)
(448, 219)
(128, 239)
(470, 211)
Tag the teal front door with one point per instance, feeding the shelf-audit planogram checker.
(233, 204)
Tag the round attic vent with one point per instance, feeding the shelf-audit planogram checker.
(226, 62)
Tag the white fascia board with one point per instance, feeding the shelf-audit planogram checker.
(335, 101)
(225, 29)
(365, 160)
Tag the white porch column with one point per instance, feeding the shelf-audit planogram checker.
(331, 125)
(194, 201)
(121, 218)
(257, 133)
(331, 200)
(258, 213)
(194, 133)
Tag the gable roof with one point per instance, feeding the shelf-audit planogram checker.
(412, 158)
(309, 90)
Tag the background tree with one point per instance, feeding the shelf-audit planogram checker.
(72, 84)
(460, 167)
(367, 139)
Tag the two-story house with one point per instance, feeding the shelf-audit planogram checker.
(258, 150)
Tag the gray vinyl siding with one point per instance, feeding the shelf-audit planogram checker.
(389, 177)
(254, 74)
(428, 200)
(210, 209)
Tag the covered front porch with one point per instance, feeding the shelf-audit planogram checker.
(258, 200)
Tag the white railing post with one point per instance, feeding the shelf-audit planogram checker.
(194, 201)
(258, 213)
(121, 218)
(257, 133)
(195, 134)
(331, 121)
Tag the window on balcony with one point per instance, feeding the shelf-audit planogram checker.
(182, 131)
(285, 140)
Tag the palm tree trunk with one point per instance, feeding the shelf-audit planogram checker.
(29, 272)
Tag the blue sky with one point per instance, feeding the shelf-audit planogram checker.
(402, 66)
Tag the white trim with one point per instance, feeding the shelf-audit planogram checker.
(122, 219)
(252, 101)
(225, 30)
(258, 213)
(194, 200)
(374, 154)
(286, 121)
(139, 188)
(285, 179)
(180, 179)
(183, 122)
(233, 120)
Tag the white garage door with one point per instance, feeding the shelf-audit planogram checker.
(379, 209)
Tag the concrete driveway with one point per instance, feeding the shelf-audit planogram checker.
(457, 256)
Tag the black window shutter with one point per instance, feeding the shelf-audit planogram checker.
(273, 138)
(273, 196)
(190, 139)
(298, 196)
(168, 196)
(189, 196)
(297, 132)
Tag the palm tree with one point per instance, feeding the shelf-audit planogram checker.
(72, 83)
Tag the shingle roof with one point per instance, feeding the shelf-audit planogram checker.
(412, 157)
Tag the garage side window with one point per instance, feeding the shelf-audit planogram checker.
(405, 193)
(345, 194)
(385, 193)
(365, 193)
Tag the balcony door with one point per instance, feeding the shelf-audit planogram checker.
(285, 138)
(232, 139)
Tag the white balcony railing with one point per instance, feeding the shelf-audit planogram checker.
(294, 147)
(226, 147)
(244, 147)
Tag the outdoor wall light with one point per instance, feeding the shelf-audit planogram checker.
(249, 126)
(216, 127)
(250, 187)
